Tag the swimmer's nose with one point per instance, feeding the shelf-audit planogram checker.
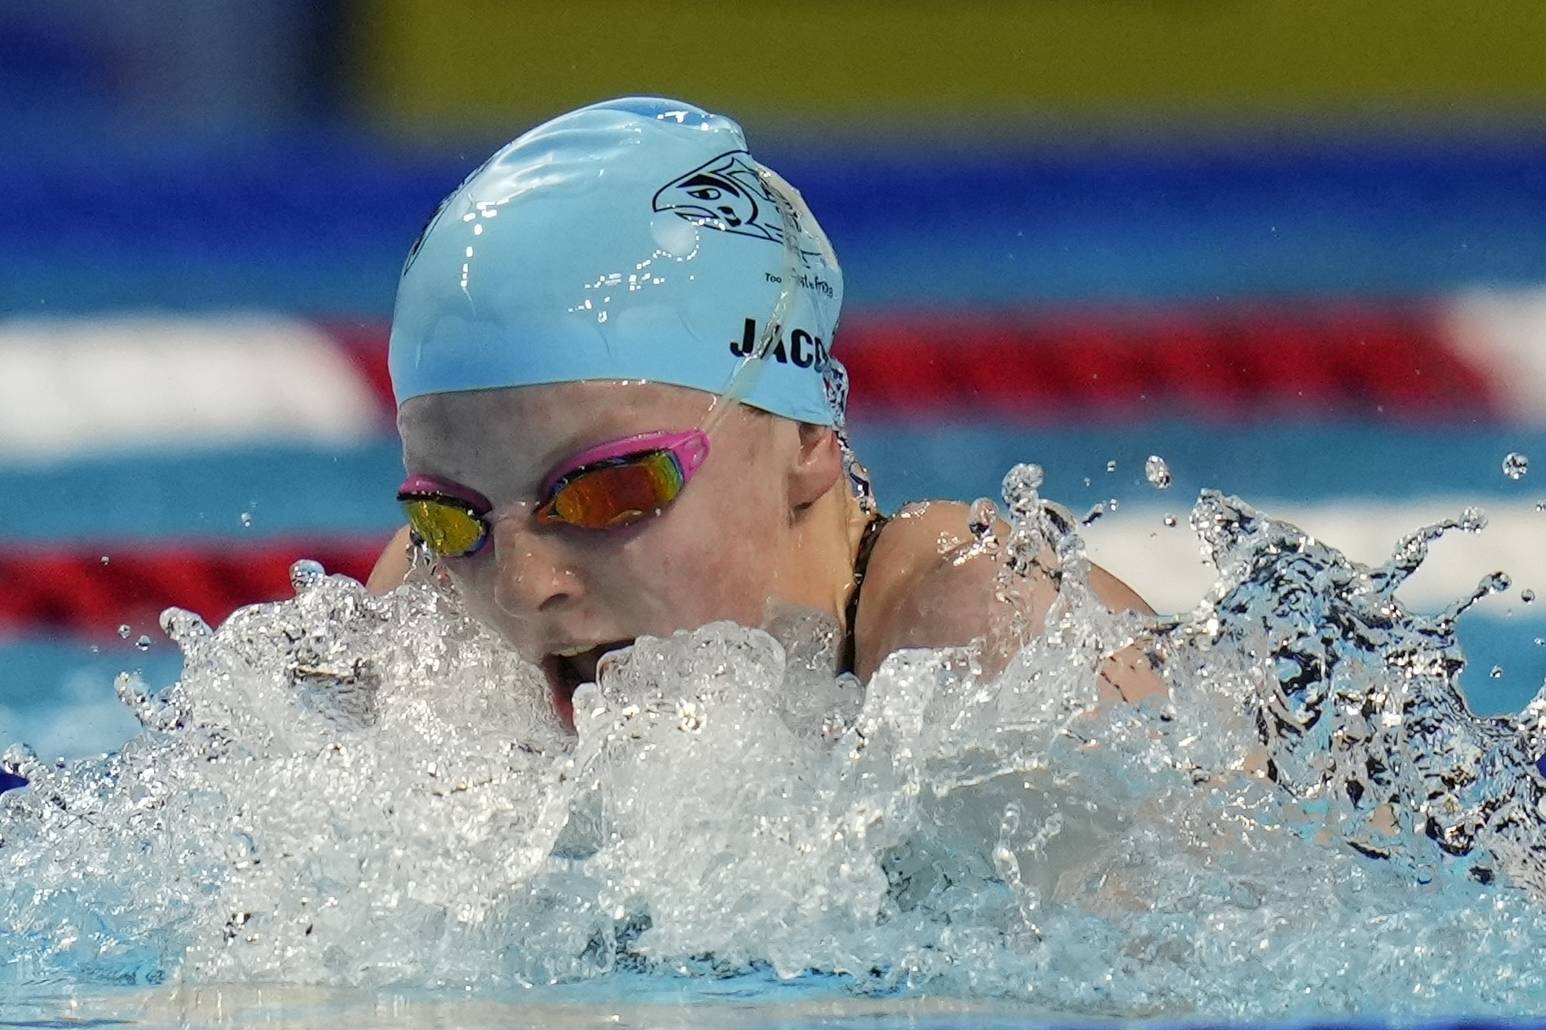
(532, 572)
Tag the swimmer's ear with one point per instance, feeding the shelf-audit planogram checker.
(818, 464)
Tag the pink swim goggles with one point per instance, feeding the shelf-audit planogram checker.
(611, 485)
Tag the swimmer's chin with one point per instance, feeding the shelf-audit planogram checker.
(567, 671)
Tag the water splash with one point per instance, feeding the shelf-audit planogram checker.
(352, 790)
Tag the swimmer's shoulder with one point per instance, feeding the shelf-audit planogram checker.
(927, 585)
(924, 586)
(391, 566)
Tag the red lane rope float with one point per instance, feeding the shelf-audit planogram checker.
(1315, 359)
(1230, 366)
(73, 590)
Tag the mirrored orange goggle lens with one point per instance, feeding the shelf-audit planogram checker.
(617, 495)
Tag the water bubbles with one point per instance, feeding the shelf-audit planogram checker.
(1156, 471)
(124, 630)
(1515, 465)
(690, 716)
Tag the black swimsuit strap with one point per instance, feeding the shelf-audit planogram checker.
(861, 566)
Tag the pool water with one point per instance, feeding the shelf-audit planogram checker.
(357, 807)
(629, 1007)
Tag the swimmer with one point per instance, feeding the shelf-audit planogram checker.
(612, 354)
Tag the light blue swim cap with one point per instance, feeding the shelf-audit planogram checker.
(631, 239)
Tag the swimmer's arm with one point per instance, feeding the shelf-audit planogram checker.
(392, 566)
(925, 591)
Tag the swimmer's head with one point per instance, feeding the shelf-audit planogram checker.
(632, 240)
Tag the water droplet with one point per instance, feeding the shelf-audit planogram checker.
(1111, 466)
(1170, 520)
(105, 559)
(1515, 465)
(246, 517)
(184, 626)
(983, 514)
(124, 630)
(143, 643)
(20, 759)
(1094, 513)
(1020, 488)
(1156, 471)
(1527, 595)
(1112, 504)
(1497, 672)
(1472, 520)
(305, 574)
(1086, 480)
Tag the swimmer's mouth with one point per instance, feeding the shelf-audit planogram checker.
(566, 669)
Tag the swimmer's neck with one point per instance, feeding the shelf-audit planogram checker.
(827, 533)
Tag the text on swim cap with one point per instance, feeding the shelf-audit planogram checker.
(809, 282)
(804, 350)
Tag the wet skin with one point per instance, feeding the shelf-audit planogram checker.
(768, 518)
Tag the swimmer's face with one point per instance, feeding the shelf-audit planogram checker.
(719, 551)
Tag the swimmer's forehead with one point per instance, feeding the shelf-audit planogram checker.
(500, 441)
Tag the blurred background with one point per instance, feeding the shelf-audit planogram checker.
(1295, 250)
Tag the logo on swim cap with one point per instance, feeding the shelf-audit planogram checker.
(726, 193)
(605, 245)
